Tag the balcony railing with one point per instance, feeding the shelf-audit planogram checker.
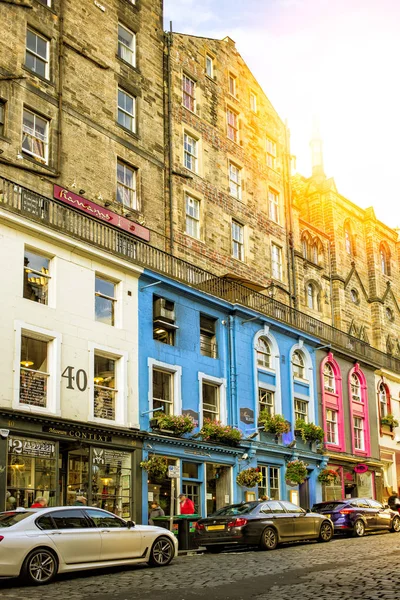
(66, 220)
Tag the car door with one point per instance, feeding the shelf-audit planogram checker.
(304, 524)
(280, 518)
(118, 541)
(76, 540)
(366, 511)
(382, 516)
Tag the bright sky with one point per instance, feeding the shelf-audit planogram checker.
(338, 60)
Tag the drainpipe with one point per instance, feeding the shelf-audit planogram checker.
(232, 370)
(169, 41)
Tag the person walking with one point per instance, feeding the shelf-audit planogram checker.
(80, 501)
(186, 505)
(155, 511)
(40, 502)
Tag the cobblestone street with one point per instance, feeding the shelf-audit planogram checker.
(345, 569)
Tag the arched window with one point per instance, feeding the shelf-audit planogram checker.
(313, 297)
(355, 388)
(384, 256)
(314, 254)
(304, 246)
(329, 378)
(298, 364)
(263, 353)
(348, 239)
(383, 400)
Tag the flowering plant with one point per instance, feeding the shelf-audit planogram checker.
(178, 424)
(389, 420)
(327, 476)
(274, 423)
(249, 477)
(309, 431)
(214, 431)
(156, 466)
(296, 472)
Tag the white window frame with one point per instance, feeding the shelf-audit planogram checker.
(131, 190)
(45, 60)
(176, 372)
(221, 383)
(361, 435)
(301, 364)
(53, 339)
(188, 93)
(232, 84)
(32, 135)
(273, 206)
(329, 378)
(130, 50)
(123, 110)
(232, 125)
(355, 386)
(50, 276)
(270, 150)
(209, 71)
(383, 400)
(276, 262)
(265, 388)
(266, 478)
(192, 216)
(303, 401)
(190, 152)
(121, 377)
(237, 242)
(334, 428)
(235, 180)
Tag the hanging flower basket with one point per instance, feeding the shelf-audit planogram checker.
(390, 421)
(327, 476)
(309, 432)
(249, 477)
(156, 466)
(214, 431)
(177, 424)
(276, 424)
(296, 472)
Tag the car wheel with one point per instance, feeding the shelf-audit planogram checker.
(359, 528)
(326, 532)
(40, 567)
(269, 539)
(214, 549)
(162, 552)
(395, 525)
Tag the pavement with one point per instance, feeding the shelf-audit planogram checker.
(365, 568)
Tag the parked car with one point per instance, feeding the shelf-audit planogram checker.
(358, 515)
(38, 544)
(264, 524)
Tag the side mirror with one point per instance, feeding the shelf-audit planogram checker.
(131, 524)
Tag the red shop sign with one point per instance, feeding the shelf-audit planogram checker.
(361, 468)
(101, 213)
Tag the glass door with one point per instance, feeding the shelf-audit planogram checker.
(78, 474)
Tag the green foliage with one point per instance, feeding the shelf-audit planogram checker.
(309, 431)
(178, 424)
(327, 476)
(296, 471)
(156, 466)
(389, 420)
(214, 431)
(249, 477)
(274, 423)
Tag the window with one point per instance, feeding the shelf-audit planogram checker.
(70, 519)
(126, 110)
(164, 320)
(270, 148)
(331, 426)
(235, 181)
(389, 314)
(313, 297)
(273, 206)
(35, 136)
(383, 401)
(298, 365)
(37, 54)
(304, 246)
(105, 301)
(34, 373)
(355, 297)
(105, 387)
(232, 84)
(2, 116)
(163, 391)
(190, 152)
(276, 255)
(210, 394)
(126, 45)
(237, 241)
(209, 66)
(269, 485)
(348, 239)
(208, 344)
(188, 93)
(36, 277)
(126, 185)
(329, 378)
(192, 209)
(253, 102)
(301, 410)
(355, 388)
(232, 125)
(263, 350)
(103, 519)
(384, 255)
(358, 433)
(266, 401)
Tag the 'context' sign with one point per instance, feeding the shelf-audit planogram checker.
(101, 213)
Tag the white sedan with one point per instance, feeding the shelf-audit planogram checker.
(39, 543)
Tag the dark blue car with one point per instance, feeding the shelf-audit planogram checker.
(358, 515)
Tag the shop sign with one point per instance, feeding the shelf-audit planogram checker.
(197, 453)
(361, 468)
(247, 416)
(174, 471)
(34, 204)
(101, 213)
(101, 456)
(28, 447)
(81, 435)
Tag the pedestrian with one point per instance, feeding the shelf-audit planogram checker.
(40, 502)
(155, 511)
(186, 504)
(80, 501)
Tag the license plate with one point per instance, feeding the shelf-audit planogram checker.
(215, 527)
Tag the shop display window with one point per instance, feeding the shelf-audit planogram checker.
(111, 481)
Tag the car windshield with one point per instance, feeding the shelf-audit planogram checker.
(328, 506)
(8, 519)
(235, 509)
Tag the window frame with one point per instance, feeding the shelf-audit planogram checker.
(301, 409)
(209, 72)
(45, 141)
(112, 299)
(235, 180)
(261, 364)
(232, 84)
(232, 125)
(238, 252)
(208, 336)
(332, 429)
(267, 402)
(329, 377)
(189, 93)
(37, 57)
(270, 474)
(273, 206)
(190, 152)
(300, 364)
(47, 276)
(176, 373)
(192, 221)
(359, 433)
(132, 191)
(277, 262)
(270, 152)
(121, 110)
(121, 359)
(219, 383)
(128, 49)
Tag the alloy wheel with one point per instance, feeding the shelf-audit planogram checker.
(359, 528)
(270, 539)
(326, 532)
(396, 524)
(162, 552)
(41, 567)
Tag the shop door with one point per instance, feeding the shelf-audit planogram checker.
(77, 474)
(218, 486)
(304, 494)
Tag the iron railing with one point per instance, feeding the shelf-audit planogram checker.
(57, 216)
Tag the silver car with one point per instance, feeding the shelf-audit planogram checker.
(39, 543)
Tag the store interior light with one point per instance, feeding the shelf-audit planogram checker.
(26, 363)
(98, 379)
(17, 464)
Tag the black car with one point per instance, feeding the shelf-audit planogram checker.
(264, 524)
(358, 515)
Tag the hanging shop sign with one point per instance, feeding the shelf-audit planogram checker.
(101, 456)
(247, 416)
(29, 447)
(100, 212)
(361, 468)
(93, 436)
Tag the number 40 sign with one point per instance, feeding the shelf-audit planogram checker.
(80, 379)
